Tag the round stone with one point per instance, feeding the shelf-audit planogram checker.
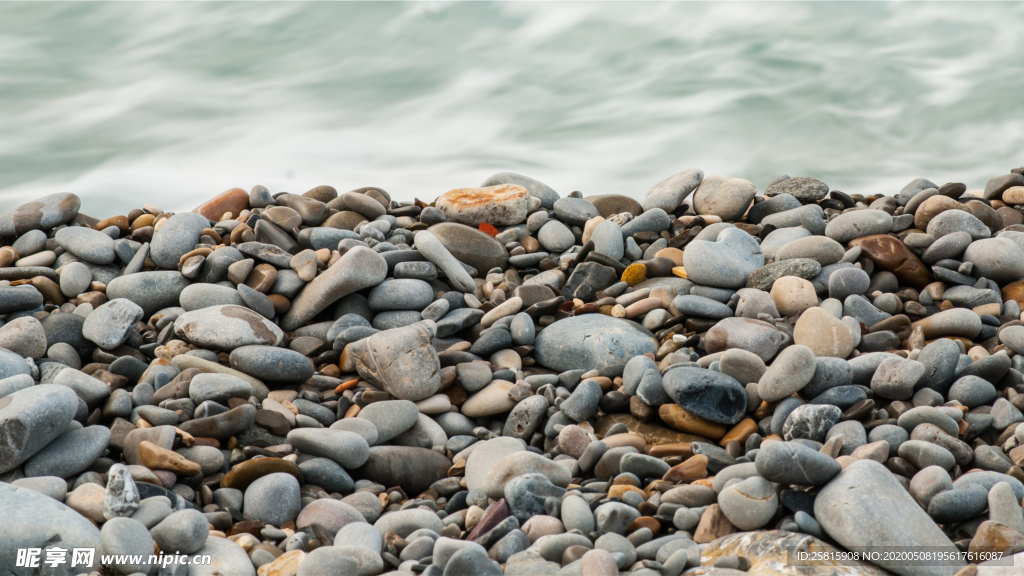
(272, 499)
(811, 422)
(24, 336)
(793, 295)
(722, 196)
(823, 333)
(127, 540)
(708, 394)
(74, 279)
(997, 259)
(749, 504)
(555, 236)
(183, 532)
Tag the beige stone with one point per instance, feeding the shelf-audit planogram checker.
(286, 564)
(823, 333)
(87, 500)
(793, 294)
(1014, 195)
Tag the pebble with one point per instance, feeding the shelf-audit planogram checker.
(90, 245)
(347, 449)
(722, 196)
(848, 508)
(272, 499)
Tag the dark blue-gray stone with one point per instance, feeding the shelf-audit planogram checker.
(401, 294)
(272, 364)
(958, 505)
(527, 495)
(794, 463)
(490, 341)
(18, 298)
(828, 373)
(940, 359)
(708, 394)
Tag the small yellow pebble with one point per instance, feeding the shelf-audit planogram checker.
(634, 274)
(679, 271)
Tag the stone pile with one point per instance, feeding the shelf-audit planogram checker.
(510, 381)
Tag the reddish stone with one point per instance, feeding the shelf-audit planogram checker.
(889, 254)
(495, 514)
(234, 200)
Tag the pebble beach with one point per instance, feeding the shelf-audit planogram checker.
(701, 380)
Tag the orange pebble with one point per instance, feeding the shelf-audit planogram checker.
(348, 384)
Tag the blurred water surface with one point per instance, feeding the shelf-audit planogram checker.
(126, 103)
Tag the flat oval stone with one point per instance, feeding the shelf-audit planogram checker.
(401, 294)
(221, 426)
(389, 417)
(70, 453)
(414, 469)
(795, 463)
(848, 509)
(755, 336)
(272, 364)
(88, 244)
(591, 341)
(857, 224)
(891, 255)
(478, 249)
(35, 516)
(346, 448)
(499, 205)
(670, 192)
(951, 221)
(199, 295)
(45, 213)
(245, 473)
(227, 327)
(357, 269)
(152, 291)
